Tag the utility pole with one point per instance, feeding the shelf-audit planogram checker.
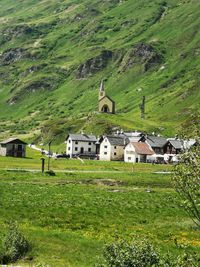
(49, 154)
(142, 107)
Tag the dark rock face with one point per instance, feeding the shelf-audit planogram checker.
(141, 54)
(12, 55)
(94, 65)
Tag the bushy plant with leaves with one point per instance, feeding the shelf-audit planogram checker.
(186, 180)
(143, 254)
(15, 245)
(135, 254)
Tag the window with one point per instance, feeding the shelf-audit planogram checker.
(105, 146)
(69, 141)
(76, 142)
(69, 148)
(76, 148)
(105, 153)
(115, 153)
(115, 147)
(89, 149)
(89, 143)
(129, 158)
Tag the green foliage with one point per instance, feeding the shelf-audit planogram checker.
(186, 179)
(143, 254)
(136, 254)
(15, 245)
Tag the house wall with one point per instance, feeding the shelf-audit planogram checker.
(129, 154)
(13, 150)
(110, 152)
(2, 151)
(109, 103)
(117, 153)
(105, 150)
(74, 147)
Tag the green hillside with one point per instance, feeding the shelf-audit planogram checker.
(53, 55)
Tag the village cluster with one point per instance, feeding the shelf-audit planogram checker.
(127, 146)
(120, 146)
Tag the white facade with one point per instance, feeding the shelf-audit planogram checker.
(77, 147)
(110, 151)
(132, 155)
(129, 154)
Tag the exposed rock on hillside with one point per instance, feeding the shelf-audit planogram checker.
(12, 55)
(141, 53)
(47, 83)
(94, 65)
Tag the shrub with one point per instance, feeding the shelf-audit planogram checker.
(143, 254)
(136, 254)
(15, 245)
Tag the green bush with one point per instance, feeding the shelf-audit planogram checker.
(143, 254)
(136, 254)
(15, 245)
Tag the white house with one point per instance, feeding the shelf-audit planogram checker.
(137, 152)
(81, 145)
(112, 148)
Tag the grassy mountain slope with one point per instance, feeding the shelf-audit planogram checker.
(53, 55)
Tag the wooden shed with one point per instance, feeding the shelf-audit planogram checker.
(13, 147)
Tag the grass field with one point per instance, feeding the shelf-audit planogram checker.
(69, 217)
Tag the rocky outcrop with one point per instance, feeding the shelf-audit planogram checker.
(12, 55)
(141, 53)
(93, 65)
(22, 30)
(45, 84)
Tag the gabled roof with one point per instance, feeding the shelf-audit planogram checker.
(13, 141)
(116, 141)
(142, 148)
(82, 137)
(106, 97)
(155, 141)
(176, 143)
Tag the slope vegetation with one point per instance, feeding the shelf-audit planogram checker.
(53, 55)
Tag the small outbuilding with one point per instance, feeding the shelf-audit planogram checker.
(13, 147)
(137, 152)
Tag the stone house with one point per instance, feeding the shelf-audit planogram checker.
(81, 145)
(137, 152)
(13, 147)
(157, 143)
(112, 148)
(106, 104)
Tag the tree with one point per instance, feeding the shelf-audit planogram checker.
(186, 180)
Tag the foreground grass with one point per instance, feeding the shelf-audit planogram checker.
(70, 216)
(33, 162)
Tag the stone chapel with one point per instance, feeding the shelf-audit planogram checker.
(106, 104)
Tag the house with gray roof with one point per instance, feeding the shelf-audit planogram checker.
(112, 148)
(174, 146)
(82, 145)
(157, 143)
(13, 147)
